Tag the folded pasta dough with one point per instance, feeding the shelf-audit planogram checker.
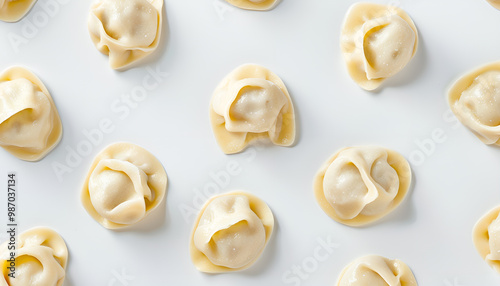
(495, 3)
(40, 259)
(251, 103)
(259, 5)
(125, 183)
(15, 10)
(359, 185)
(475, 100)
(373, 270)
(230, 233)
(486, 238)
(30, 126)
(377, 42)
(126, 30)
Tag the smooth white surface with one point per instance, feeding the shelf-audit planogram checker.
(298, 40)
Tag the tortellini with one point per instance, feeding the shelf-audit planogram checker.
(40, 259)
(249, 104)
(495, 3)
(15, 10)
(377, 42)
(230, 233)
(486, 237)
(125, 183)
(30, 126)
(359, 185)
(261, 5)
(374, 270)
(475, 100)
(126, 30)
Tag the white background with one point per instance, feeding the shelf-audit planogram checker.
(455, 184)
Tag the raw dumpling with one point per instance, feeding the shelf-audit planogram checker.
(15, 10)
(40, 259)
(486, 238)
(125, 183)
(475, 100)
(251, 103)
(261, 5)
(126, 30)
(30, 126)
(230, 233)
(373, 270)
(359, 185)
(377, 42)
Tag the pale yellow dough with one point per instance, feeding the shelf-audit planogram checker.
(259, 5)
(124, 184)
(30, 126)
(495, 3)
(15, 10)
(373, 270)
(359, 185)
(475, 100)
(41, 257)
(486, 238)
(377, 42)
(230, 232)
(251, 103)
(126, 30)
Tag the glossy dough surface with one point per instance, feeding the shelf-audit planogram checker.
(126, 30)
(486, 238)
(373, 270)
(30, 126)
(260, 5)
(125, 183)
(475, 100)
(377, 42)
(359, 185)
(41, 258)
(230, 233)
(14, 10)
(249, 104)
